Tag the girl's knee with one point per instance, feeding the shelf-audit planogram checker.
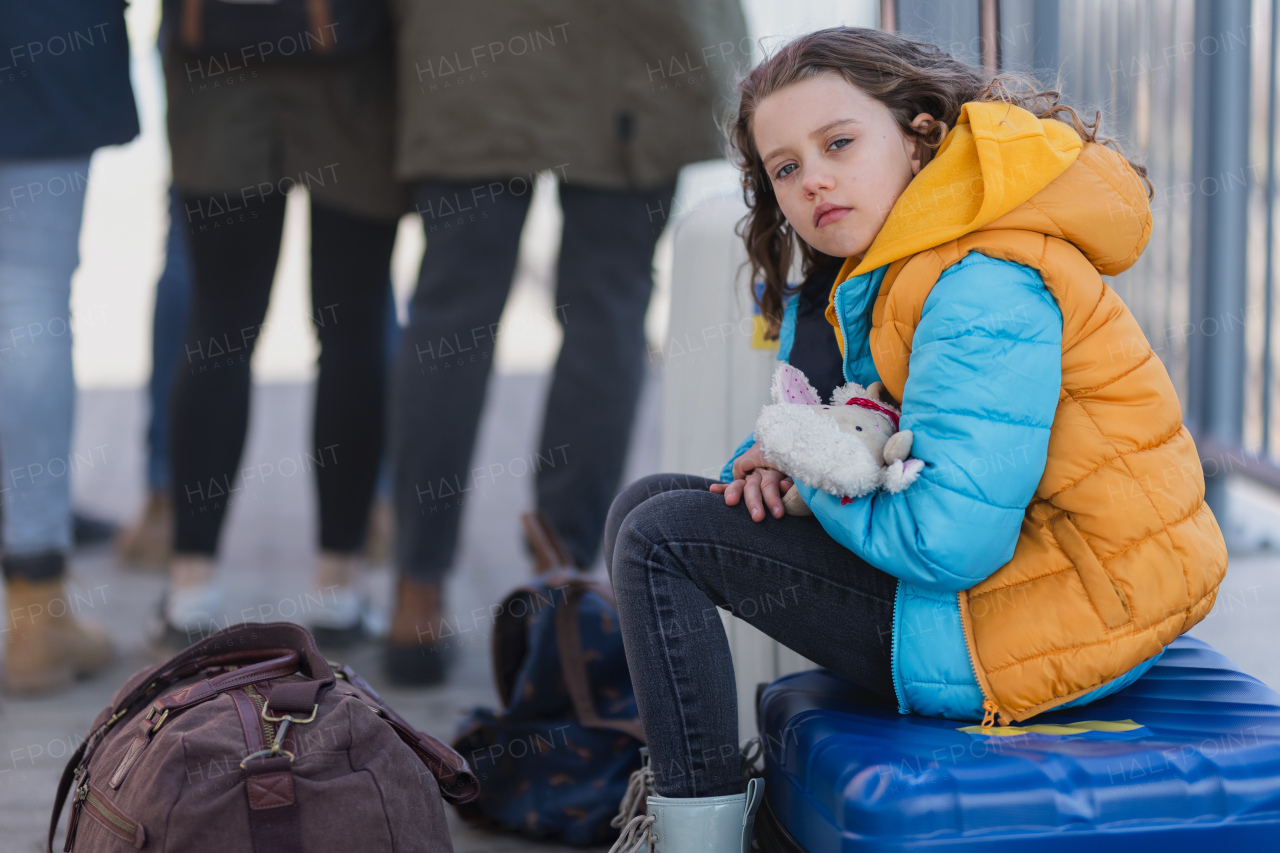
(640, 491)
(648, 486)
(658, 484)
(654, 509)
(664, 517)
(631, 496)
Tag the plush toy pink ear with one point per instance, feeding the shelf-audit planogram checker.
(791, 386)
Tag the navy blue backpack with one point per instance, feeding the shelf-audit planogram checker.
(554, 761)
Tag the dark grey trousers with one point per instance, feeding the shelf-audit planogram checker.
(604, 279)
(675, 553)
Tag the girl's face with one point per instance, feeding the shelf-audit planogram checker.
(837, 159)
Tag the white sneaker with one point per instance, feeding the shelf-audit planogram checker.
(338, 622)
(186, 616)
(193, 607)
(341, 607)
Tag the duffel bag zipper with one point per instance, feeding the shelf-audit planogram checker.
(87, 797)
(268, 728)
(136, 746)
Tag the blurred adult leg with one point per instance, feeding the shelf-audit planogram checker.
(234, 261)
(169, 320)
(150, 540)
(438, 387)
(41, 206)
(350, 259)
(442, 370)
(605, 278)
(378, 537)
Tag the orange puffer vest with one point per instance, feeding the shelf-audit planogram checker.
(1118, 553)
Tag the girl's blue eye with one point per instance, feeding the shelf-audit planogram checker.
(785, 170)
(839, 143)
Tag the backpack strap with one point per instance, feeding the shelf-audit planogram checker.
(573, 663)
(549, 551)
(510, 644)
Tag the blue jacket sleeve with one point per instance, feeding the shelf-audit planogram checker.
(984, 376)
(726, 473)
(786, 338)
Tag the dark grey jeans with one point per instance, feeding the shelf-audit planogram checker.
(675, 554)
(604, 279)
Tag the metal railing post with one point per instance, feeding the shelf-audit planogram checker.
(1219, 235)
(889, 15)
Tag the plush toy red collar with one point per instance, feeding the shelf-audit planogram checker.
(875, 407)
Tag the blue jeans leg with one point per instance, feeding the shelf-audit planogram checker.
(169, 319)
(679, 554)
(41, 205)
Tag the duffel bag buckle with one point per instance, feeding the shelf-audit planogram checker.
(288, 718)
(277, 745)
(164, 715)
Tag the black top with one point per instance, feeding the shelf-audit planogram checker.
(64, 78)
(815, 351)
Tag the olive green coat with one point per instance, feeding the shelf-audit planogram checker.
(617, 94)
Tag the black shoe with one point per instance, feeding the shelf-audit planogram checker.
(418, 665)
(87, 531)
(168, 640)
(330, 638)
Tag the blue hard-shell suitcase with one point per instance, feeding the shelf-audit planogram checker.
(1186, 758)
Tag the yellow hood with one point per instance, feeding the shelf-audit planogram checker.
(1003, 168)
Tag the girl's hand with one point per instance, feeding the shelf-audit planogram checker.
(749, 461)
(761, 486)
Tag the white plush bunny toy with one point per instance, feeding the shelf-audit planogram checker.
(850, 447)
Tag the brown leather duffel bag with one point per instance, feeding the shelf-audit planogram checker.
(250, 741)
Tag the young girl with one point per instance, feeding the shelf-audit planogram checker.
(1057, 537)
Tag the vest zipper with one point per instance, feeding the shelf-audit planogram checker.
(895, 670)
(990, 708)
(844, 331)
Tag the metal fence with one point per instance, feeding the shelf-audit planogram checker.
(1188, 87)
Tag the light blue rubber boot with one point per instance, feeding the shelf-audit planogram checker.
(686, 824)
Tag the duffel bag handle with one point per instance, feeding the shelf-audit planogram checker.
(284, 662)
(300, 696)
(247, 638)
(458, 784)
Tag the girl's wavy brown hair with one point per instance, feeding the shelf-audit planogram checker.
(909, 78)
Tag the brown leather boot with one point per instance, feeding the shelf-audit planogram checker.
(149, 542)
(414, 654)
(47, 645)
